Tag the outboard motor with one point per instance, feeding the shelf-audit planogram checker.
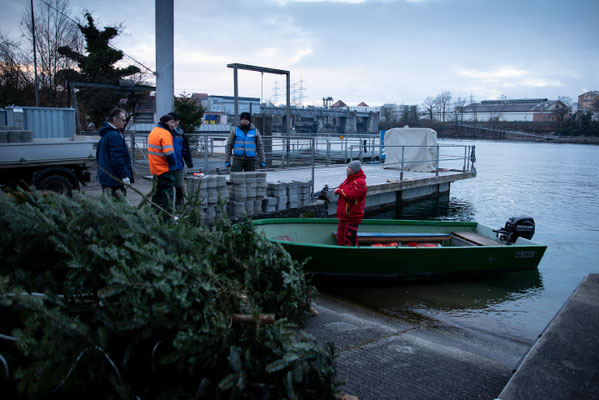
(516, 227)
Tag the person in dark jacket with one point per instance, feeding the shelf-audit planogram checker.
(244, 143)
(350, 204)
(182, 156)
(114, 161)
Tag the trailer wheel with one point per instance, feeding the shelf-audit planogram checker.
(58, 184)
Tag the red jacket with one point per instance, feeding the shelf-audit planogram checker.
(352, 197)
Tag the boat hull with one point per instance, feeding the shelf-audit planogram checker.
(311, 240)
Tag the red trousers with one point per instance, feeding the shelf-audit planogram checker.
(347, 232)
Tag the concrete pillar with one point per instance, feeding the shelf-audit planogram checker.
(165, 74)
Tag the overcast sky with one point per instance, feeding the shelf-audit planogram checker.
(377, 51)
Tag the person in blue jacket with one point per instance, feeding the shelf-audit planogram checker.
(244, 144)
(114, 161)
(182, 156)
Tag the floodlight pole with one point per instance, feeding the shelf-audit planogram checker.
(165, 76)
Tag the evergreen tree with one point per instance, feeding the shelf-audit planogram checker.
(98, 66)
(189, 111)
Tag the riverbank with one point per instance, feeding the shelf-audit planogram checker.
(594, 140)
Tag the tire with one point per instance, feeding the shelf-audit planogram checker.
(58, 184)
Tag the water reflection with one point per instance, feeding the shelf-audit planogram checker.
(402, 299)
(441, 208)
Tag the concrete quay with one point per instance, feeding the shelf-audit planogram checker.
(564, 361)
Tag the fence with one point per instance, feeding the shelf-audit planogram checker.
(295, 158)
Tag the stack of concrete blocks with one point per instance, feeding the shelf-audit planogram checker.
(209, 189)
(237, 195)
(13, 134)
(292, 194)
(276, 197)
(304, 193)
(260, 192)
(246, 194)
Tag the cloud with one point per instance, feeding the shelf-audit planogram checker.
(509, 77)
(286, 2)
(501, 73)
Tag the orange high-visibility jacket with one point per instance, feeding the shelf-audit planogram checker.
(161, 153)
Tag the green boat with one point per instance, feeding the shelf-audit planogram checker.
(398, 249)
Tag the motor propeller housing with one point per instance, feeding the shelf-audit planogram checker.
(515, 227)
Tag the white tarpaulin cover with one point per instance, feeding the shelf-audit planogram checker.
(420, 159)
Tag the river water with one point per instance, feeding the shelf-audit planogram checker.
(558, 185)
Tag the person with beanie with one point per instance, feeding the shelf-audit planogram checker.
(244, 143)
(161, 156)
(350, 204)
(182, 157)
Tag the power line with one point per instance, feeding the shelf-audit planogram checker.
(77, 23)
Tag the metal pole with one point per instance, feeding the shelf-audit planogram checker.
(313, 164)
(76, 108)
(402, 157)
(206, 153)
(288, 114)
(437, 169)
(165, 76)
(133, 151)
(37, 99)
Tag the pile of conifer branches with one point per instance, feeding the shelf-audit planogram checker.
(99, 299)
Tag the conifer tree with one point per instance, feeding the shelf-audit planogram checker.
(98, 66)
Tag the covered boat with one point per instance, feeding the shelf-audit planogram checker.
(397, 249)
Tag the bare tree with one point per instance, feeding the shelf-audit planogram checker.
(567, 100)
(54, 28)
(16, 78)
(443, 101)
(458, 109)
(430, 106)
(474, 109)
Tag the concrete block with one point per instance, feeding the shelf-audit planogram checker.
(237, 177)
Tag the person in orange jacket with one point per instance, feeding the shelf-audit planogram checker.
(350, 204)
(161, 156)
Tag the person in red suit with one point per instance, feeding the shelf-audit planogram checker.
(350, 204)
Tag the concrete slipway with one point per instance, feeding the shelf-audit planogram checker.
(383, 358)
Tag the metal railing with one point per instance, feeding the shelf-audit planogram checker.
(298, 155)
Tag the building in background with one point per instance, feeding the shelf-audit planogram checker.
(521, 110)
(226, 105)
(589, 101)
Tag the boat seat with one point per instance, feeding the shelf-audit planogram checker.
(475, 238)
(379, 237)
